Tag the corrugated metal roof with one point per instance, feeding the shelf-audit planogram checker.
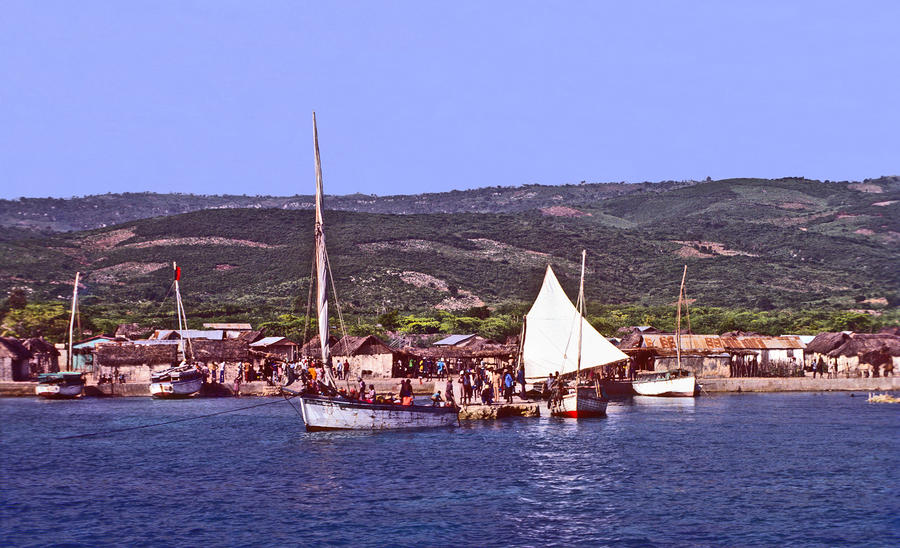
(453, 339)
(715, 343)
(703, 343)
(269, 341)
(235, 326)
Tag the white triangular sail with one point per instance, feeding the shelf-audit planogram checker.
(551, 336)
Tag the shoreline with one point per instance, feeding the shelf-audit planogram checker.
(425, 387)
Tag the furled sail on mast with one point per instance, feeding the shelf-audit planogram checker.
(321, 267)
(551, 341)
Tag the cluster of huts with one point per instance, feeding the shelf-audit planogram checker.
(739, 354)
(729, 355)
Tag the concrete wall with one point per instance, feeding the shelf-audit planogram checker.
(800, 384)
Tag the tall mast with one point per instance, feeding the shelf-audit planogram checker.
(321, 265)
(580, 320)
(678, 321)
(70, 361)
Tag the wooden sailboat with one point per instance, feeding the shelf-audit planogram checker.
(552, 323)
(327, 409)
(66, 384)
(184, 380)
(677, 382)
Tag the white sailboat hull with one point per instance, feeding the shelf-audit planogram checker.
(59, 391)
(585, 404)
(680, 387)
(175, 389)
(322, 413)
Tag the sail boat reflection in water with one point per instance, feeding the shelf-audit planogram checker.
(324, 408)
(558, 340)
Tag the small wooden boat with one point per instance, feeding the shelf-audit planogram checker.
(179, 382)
(678, 382)
(184, 380)
(60, 386)
(67, 384)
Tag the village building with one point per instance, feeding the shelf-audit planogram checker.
(279, 348)
(83, 352)
(729, 355)
(367, 356)
(13, 360)
(138, 360)
(856, 354)
(232, 330)
(44, 356)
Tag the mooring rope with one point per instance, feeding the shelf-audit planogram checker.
(174, 421)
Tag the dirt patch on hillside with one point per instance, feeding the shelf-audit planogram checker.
(462, 300)
(688, 252)
(107, 240)
(225, 266)
(563, 211)
(877, 300)
(883, 204)
(793, 205)
(866, 187)
(214, 240)
(864, 231)
(420, 279)
(708, 249)
(116, 274)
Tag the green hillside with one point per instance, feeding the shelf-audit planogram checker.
(748, 244)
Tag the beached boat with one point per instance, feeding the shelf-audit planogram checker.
(66, 384)
(60, 386)
(337, 412)
(677, 382)
(183, 380)
(558, 341)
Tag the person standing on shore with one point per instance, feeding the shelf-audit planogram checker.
(520, 378)
(508, 385)
(237, 380)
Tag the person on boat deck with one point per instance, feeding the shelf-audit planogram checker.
(405, 393)
(312, 371)
(436, 399)
(448, 390)
(214, 370)
(370, 396)
(362, 386)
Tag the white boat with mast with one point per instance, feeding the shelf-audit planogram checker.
(329, 410)
(184, 380)
(676, 382)
(547, 347)
(68, 384)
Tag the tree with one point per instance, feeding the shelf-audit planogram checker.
(17, 298)
(49, 320)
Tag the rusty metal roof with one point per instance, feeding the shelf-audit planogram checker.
(715, 343)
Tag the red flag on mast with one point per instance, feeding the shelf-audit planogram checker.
(177, 273)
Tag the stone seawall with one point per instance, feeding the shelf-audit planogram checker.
(800, 384)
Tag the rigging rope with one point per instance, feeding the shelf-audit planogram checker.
(173, 421)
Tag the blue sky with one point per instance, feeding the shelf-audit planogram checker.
(216, 96)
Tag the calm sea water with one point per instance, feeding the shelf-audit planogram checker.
(731, 470)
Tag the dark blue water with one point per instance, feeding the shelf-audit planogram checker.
(737, 470)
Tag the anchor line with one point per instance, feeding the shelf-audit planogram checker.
(117, 430)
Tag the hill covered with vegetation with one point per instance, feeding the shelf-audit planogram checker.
(788, 254)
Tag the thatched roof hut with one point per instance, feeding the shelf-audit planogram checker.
(863, 343)
(37, 345)
(824, 343)
(227, 350)
(354, 346)
(313, 349)
(117, 354)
